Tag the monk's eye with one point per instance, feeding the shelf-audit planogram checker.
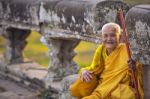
(105, 36)
(113, 34)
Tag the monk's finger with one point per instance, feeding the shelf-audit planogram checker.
(89, 75)
(86, 78)
(83, 78)
(91, 72)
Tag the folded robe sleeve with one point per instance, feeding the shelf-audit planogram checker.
(97, 63)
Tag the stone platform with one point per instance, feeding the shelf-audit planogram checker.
(32, 75)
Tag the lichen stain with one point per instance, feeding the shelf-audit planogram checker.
(111, 15)
(143, 34)
(48, 16)
(141, 28)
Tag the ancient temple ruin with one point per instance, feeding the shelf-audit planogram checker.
(64, 23)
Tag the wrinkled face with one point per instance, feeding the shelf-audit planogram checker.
(109, 38)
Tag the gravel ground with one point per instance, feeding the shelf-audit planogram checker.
(9, 89)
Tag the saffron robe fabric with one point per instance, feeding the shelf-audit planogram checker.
(113, 74)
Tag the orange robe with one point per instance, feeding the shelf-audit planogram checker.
(113, 74)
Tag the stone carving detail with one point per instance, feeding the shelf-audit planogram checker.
(138, 26)
(64, 23)
(15, 44)
(61, 58)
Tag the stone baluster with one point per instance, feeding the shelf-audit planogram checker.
(61, 53)
(15, 44)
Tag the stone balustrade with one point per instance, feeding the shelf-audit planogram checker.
(64, 23)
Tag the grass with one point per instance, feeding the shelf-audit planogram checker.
(35, 50)
(85, 52)
(38, 52)
(1, 44)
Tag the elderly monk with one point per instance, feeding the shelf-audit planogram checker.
(109, 76)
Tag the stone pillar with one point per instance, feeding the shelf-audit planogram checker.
(15, 43)
(61, 53)
(138, 26)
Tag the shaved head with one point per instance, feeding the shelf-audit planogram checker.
(112, 27)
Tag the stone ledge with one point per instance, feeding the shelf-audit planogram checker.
(31, 73)
(66, 82)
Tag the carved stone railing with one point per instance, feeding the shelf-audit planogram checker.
(62, 22)
(71, 21)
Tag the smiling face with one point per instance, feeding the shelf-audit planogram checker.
(110, 37)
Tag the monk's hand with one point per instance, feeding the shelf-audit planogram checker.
(132, 64)
(86, 76)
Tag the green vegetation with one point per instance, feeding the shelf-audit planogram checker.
(35, 50)
(85, 52)
(46, 94)
(1, 44)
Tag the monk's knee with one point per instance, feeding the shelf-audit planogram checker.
(81, 89)
(74, 91)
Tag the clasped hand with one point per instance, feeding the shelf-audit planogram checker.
(86, 76)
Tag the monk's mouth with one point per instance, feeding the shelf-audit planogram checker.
(109, 42)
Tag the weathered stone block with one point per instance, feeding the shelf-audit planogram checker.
(138, 26)
(66, 82)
